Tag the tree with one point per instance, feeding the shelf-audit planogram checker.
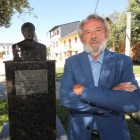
(134, 8)
(115, 34)
(9, 7)
(47, 51)
(118, 30)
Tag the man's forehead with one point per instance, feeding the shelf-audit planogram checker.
(28, 26)
(93, 22)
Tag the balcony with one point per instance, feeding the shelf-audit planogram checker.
(73, 48)
(54, 37)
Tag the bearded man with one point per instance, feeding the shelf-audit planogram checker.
(98, 86)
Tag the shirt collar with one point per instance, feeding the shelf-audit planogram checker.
(100, 59)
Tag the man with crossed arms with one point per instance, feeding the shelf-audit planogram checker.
(98, 86)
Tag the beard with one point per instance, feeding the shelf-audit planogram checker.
(95, 50)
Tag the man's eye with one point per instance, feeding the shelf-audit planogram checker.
(87, 32)
(98, 30)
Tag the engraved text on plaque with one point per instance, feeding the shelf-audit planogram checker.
(31, 81)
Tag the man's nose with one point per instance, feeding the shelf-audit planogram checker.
(93, 34)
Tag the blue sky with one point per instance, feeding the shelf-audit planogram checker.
(55, 12)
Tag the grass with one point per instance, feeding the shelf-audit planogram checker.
(60, 70)
(62, 114)
(136, 69)
(134, 131)
(3, 113)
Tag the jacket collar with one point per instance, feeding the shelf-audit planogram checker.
(105, 70)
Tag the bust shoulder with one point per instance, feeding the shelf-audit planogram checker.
(19, 43)
(39, 44)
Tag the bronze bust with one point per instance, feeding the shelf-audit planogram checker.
(28, 49)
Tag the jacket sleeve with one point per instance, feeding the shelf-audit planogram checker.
(115, 100)
(70, 99)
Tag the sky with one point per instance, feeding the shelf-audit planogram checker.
(56, 12)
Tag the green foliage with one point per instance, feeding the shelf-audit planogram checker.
(47, 51)
(134, 8)
(7, 51)
(9, 7)
(2, 53)
(116, 35)
(3, 113)
(136, 69)
(133, 129)
(62, 113)
(59, 72)
(118, 28)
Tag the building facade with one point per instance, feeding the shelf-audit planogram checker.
(7, 47)
(65, 41)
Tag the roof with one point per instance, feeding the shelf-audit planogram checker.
(54, 28)
(66, 28)
(6, 44)
(72, 33)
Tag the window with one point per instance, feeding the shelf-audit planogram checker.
(64, 54)
(64, 42)
(69, 43)
(56, 44)
(75, 40)
(53, 44)
(57, 32)
(56, 55)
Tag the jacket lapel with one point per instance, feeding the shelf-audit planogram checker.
(86, 68)
(106, 68)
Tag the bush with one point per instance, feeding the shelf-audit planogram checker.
(2, 53)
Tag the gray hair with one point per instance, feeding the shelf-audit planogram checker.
(92, 16)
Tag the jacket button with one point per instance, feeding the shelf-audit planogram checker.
(86, 101)
(88, 128)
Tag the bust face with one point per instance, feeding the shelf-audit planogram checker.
(28, 32)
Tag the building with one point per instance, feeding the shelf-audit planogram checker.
(7, 47)
(65, 41)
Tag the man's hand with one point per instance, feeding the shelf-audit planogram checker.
(125, 86)
(78, 89)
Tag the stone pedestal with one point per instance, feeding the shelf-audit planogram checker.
(31, 99)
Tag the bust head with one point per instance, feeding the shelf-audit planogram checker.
(28, 30)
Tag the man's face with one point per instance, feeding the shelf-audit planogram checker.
(28, 32)
(94, 37)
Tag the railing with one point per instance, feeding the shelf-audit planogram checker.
(65, 47)
(73, 47)
(54, 35)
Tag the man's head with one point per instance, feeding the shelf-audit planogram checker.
(28, 30)
(93, 34)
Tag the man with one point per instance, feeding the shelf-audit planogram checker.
(28, 49)
(98, 86)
